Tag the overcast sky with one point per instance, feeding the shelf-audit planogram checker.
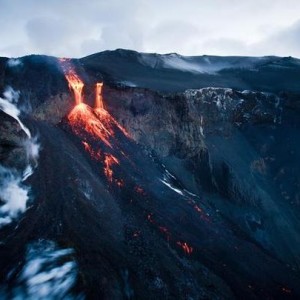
(75, 28)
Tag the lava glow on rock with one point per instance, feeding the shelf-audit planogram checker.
(94, 125)
(85, 121)
(109, 161)
(75, 83)
(99, 99)
(90, 124)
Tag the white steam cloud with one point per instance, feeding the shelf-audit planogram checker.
(48, 273)
(32, 150)
(13, 193)
(14, 62)
(8, 105)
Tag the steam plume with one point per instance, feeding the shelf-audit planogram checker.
(8, 105)
(13, 193)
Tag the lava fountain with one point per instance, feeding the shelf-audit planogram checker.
(75, 83)
(99, 99)
(92, 125)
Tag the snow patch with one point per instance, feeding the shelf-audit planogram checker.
(172, 187)
(129, 83)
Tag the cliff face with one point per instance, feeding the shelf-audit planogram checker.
(235, 147)
(168, 191)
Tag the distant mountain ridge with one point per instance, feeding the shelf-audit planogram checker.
(176, 73)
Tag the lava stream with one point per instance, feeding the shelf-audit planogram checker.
(108, 162)
(75, 83)
(84, 121)
(99, 98)
(92, 124)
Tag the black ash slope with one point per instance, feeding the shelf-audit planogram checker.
(184, 228)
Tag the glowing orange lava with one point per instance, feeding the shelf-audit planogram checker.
(75, 83)
(94, 154)
(197, 208)
(185, 247)
(99, 98)
(109, 161)
(82, 117)
(103, 115)
(92, 125)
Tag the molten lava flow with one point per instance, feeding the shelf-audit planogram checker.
(96, 155)
(105, 116)
(92, 125)
(75, 83)
(84, 121)
(109, 161)
(99, 99)
(185, 247)
(200, 211)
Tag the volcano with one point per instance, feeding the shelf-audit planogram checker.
(127, 175)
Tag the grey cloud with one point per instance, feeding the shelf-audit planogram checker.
(285, 42)
(76, 28)
(166, 35)
(224, 46)
(50, 35)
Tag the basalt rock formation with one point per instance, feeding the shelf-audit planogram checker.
(150, 176)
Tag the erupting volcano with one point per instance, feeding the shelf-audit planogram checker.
(144, 188)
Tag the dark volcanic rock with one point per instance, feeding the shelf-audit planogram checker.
(12, 148)
(173, 72)
(168, 193)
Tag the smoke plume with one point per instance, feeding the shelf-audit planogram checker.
(13, 193)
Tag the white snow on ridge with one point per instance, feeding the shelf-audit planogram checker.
(129, 83)
(172, 187)
(200, 64)
(180, 63)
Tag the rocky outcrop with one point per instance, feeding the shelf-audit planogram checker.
(228, 140)
(12, 148)
(177, 124)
